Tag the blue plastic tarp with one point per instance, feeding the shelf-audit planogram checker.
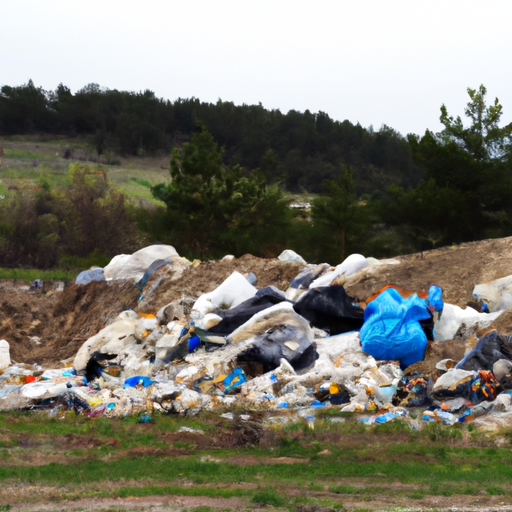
(236, 378)
(435, 298)
(89, 276)
(391, 329)
(193, 342)
(131, 382)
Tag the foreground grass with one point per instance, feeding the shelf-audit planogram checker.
(74, 457)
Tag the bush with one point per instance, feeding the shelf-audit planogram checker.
(268, 496)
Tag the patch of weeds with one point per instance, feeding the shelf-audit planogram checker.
(392, 427)
(168, 423)
(441, 452)
(78, 452)
(313, 486)
(268, 496)
(301, 500)
(406, 449)
(329, 413)
(203, 508)
(289, 446)
(320, 505)
(494, 490)
(19, 153)
(328, 424)
(168, 490)
(94, 259)
(440, 490)
(293, 427)
(442, 433)
(467, 490)
(348, 489)
(141, 182)
(5, 507)
(104, 427)
(29, 275)
(417, 495)
(148, 439)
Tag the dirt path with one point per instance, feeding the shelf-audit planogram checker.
(348, 502)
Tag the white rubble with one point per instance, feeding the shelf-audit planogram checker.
(497, 294)
(144, 344)
(458, 323)
(190, 402)
(280, 376)
(292, 256)
(282, 313)
(111, 340)
(134, 266)
(348, 267)
(453, 378)
(494, 422)
(342, 359)
(167, 343)
(5, 355)
(232, 292)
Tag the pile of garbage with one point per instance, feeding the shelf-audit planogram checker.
(308, 347)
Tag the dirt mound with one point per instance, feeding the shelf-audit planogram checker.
(48, 328)
(209, 274)
(456, 269)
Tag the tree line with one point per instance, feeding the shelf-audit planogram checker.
(215, 205)
(302, 149)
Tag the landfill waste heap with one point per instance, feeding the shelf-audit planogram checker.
(384, 339)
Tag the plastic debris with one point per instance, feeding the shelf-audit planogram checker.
(233, 380)
(137, 380)
(392, 329)
(236, 346)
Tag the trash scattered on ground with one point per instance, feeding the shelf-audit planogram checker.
(309, 348)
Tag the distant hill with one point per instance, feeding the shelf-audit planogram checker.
(301, 149)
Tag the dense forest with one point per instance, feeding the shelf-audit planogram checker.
(232, 169)
(302, 148)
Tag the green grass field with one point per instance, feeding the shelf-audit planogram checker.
(333, 466)
(27, 160)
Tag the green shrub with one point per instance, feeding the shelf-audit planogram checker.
(268, 496)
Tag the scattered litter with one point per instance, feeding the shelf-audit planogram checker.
(311, 349)
(191, 430)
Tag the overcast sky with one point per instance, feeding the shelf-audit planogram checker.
(368, 61)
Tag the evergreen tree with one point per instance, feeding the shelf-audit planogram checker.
(338, 215)
(212, 207)
(474, 162)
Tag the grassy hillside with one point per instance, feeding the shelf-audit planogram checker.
(27, 159)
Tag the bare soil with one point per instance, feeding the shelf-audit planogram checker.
(478, 503)
(50, 327)
(456, 269)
